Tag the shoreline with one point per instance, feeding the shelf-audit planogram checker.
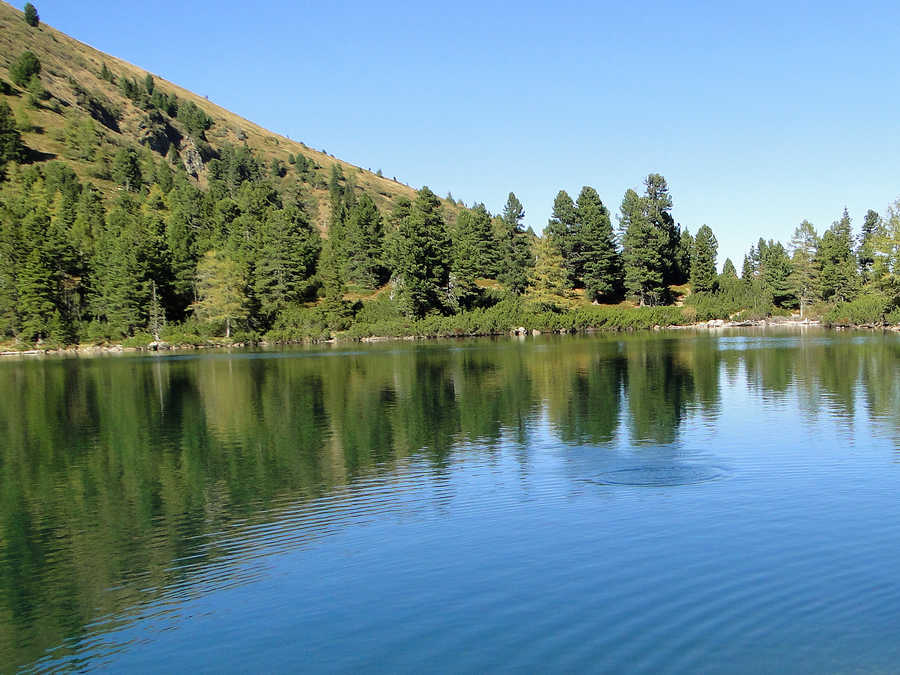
(712, 324)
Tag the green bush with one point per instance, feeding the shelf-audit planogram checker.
(870, 308)
(24, 67)
(139, 340)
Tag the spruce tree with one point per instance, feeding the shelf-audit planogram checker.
(703, 261)
(597, 254)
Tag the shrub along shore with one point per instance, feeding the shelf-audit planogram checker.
(511, 317)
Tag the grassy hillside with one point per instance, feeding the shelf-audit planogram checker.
(71, 75)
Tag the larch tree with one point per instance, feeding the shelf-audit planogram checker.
(221, 290)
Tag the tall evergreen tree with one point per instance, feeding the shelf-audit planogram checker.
(11, 148)
(683, 255)
(644, 246)
(364, 243)
(865, 253)
(562, 230)
(836, 262)
(31, 16)
(419, 253)
(599, 257)
(703, 261)
(804, 276)
(285, 259)
(775, 270)
(658, 206)
(516, 248)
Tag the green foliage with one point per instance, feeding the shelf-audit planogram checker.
(363, 242)
(11, 147)
(869, 308)
(221, 290)
(418, 250)
(82, 138)
(703, 261)
(195, 121)
(562, 231)
(549, 285)
(36, 91)
(31, 16)
(643, 251)
(24, 68)
(836, 262)
(106, 74)
(515, 248)
(126, 169)
(595, 248)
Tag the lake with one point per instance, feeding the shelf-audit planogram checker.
(652, 502)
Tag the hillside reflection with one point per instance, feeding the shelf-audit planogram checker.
(111, 469)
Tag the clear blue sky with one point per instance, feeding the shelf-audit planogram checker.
(758, 114)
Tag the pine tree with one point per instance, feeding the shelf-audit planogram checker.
(31, 15)
(126, 169)
(335, 309)
(363, 240)
(562, 230)
(703, 261)
(24, 68)
(865, 253)
(418, 250)
(35, 295)
(775, 270)
(658, 208)
(748, 268)
(220, 289)
(11, 148)
(836, 262)
(517, 258)
(285, 260)
(643, 250)
(804, 276)
(598, 256)
(683, 255)
(475, 225)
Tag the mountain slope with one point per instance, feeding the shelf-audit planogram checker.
(71, 76)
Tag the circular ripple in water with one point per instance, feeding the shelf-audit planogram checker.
(662, 476)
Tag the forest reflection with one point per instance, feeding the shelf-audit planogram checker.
(113, 468)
